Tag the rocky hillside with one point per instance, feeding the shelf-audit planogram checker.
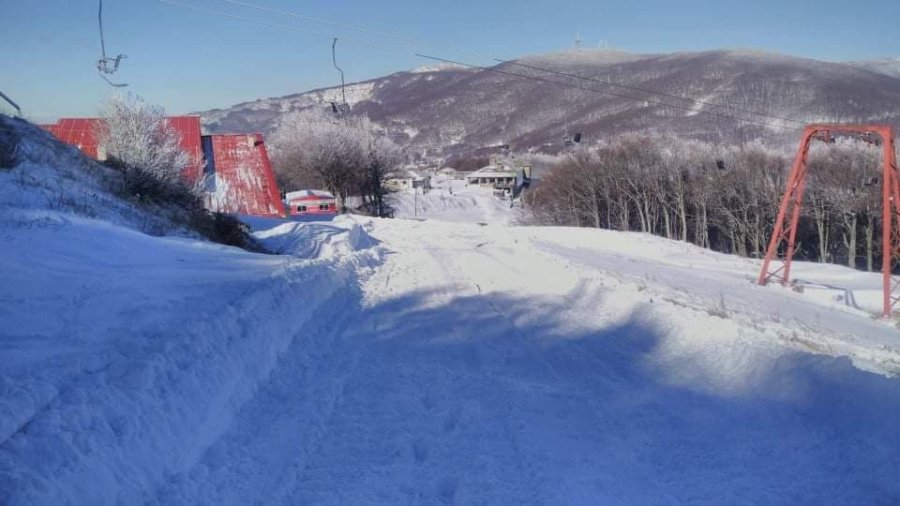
(445, 110)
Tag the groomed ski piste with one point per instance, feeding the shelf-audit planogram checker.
(423, 362)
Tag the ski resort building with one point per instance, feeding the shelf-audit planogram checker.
(84, 134)
(311, 202)
(493, 176)
(233, 170)
(406, 180)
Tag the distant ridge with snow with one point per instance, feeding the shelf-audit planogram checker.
(446, 109)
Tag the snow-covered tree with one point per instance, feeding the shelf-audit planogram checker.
(137, 136)
(346, 155)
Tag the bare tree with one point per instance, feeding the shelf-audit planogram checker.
(725, 198)
(345, 155)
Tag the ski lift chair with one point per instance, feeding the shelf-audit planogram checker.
(573, 140)
(107, 65)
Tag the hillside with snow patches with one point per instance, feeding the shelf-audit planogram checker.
(532, 102)
(448, 359)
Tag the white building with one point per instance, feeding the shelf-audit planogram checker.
(493, 176)
(406, 180)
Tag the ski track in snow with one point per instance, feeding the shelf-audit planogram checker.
(459, 378)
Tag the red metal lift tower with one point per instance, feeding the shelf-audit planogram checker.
(789, 212)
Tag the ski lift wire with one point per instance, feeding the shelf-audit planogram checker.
(594, 90)
(660, 93)
(469, 65)
(278, 26)
(334, 62)
(100, 22)
(408, 40)
(335, 24)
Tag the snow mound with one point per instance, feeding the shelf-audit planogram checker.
(51, 178)
(337, 238)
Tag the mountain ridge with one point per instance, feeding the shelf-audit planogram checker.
(533, 102)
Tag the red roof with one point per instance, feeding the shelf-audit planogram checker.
(82, 133)
(311, 198)
(79, 132)
(244, 182)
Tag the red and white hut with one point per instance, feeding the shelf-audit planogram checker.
(311, 202)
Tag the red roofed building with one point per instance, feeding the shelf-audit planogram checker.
(306, 202)
(239, 177)
(233, 169)
(83, 134)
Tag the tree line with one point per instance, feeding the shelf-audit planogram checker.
(348, 156)
(724, 198)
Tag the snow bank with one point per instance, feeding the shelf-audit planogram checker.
(54, 177)
(123, 357)
(338, 238)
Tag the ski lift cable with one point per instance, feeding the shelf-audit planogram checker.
(594, 90)
(660, 93)
(100, 22)
(465, 64)
(334, 62)
(325, 22)
(278, 26)
(408, 40)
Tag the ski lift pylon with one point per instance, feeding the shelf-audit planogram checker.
(107, 65)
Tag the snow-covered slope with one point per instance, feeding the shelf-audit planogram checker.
(406, 361)
(123, 356)
(454, 112)
(887, 66)
(453, 200)
(488, 364)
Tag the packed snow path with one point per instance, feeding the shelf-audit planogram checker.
(495, 365)
(454, 200)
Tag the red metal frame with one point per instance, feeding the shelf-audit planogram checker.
(789, 212)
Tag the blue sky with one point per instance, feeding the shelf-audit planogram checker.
(187, 60)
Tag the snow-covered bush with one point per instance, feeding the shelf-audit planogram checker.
(136, 139)
(136, 135)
